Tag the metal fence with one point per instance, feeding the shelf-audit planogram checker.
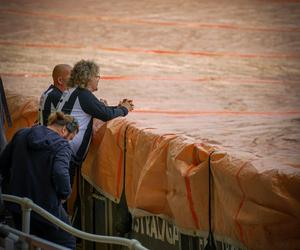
(27, 205)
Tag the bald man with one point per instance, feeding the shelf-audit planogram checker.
(50, 98)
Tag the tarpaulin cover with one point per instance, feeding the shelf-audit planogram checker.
(23, 110)
(254, 203)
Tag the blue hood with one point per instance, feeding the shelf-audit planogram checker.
(42, 137)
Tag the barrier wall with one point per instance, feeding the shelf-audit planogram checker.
(255, 205)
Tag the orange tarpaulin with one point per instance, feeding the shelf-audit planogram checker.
(255, 204)
(23, 110)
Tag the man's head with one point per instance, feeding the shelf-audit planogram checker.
(85, 74)
(61, 74)
(65, 125)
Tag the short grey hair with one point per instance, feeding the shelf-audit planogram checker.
(82, 73)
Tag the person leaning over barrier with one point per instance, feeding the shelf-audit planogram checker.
(35, 164)
(49, 99)
(79, 101)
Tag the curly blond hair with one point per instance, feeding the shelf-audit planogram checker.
(82, 73)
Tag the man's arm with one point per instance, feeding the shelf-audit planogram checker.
(91, 105)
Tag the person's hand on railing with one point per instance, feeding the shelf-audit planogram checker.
(127, 103)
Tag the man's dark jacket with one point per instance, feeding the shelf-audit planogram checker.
(35, 164)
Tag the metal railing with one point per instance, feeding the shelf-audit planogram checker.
(15, 239)
(27, 205)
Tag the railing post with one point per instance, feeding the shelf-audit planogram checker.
(26, 210)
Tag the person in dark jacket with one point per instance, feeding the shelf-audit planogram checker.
(35, 164)
(49, 99)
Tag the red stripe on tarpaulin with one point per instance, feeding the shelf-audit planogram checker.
(283, 1)
(199, 79)
(164, 78)
(193, 25)
(221, 112)
(291, 55)
(26, 75)
(190, 200)
(43, 45)
(241, 204)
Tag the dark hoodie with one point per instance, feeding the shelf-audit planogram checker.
(35, 164)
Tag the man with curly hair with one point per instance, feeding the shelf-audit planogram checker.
(79, 101)
(49, 99)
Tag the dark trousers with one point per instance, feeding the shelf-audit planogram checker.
(47, 231)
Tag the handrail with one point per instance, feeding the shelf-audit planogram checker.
(28, 204)
(33, 242)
